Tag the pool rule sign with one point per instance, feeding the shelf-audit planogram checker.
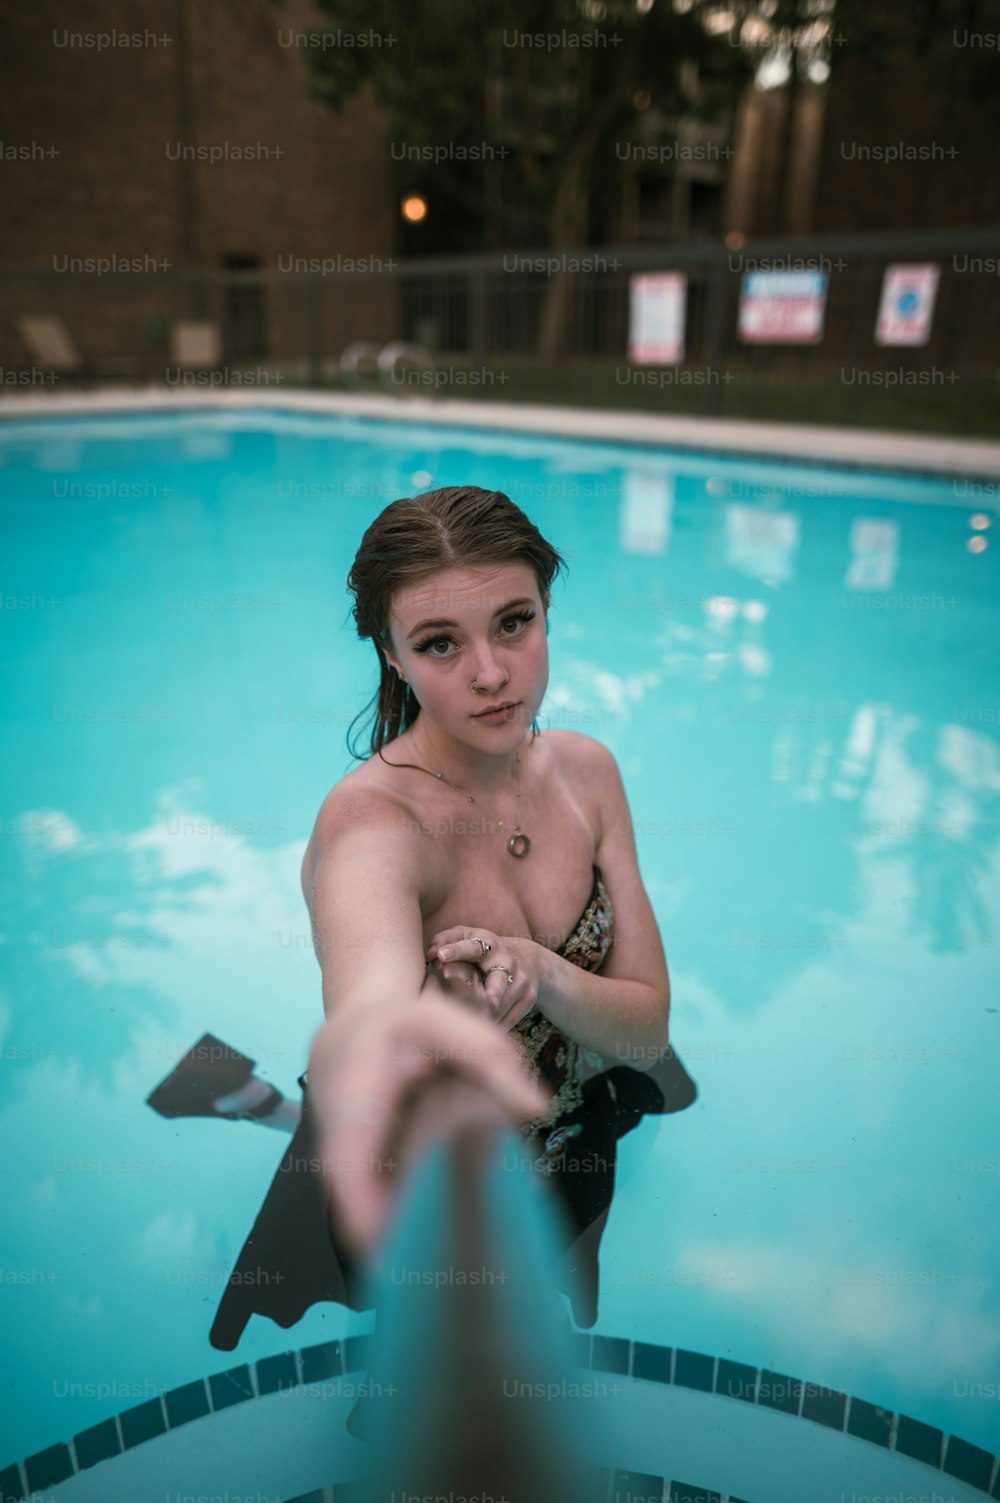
(656, 321)
(782, 307)
(907, 304)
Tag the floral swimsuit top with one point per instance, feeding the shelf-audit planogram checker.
(547, 1052)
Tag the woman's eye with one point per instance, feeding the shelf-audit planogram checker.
(433, 642)
(521, 618)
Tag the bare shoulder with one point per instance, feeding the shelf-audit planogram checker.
(356, 802)
(592, 761)
(593, 770)
(583, 744)
(584, 750)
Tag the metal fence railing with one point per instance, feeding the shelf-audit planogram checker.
(294, 325)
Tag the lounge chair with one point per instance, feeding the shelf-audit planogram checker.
(51, 348)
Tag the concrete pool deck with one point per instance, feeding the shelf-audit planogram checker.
(842, 447)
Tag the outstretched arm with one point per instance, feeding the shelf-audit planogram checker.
(391, 1027)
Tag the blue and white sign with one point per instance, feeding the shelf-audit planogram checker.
(782, 307)
(907, 305)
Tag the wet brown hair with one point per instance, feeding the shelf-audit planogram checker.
(456, 527)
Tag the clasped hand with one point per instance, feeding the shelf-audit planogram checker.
(456, 954)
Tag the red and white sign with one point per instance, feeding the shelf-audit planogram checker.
(782, 307)
(907, 304)
(656, 322)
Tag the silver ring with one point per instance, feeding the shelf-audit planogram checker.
(487, 947)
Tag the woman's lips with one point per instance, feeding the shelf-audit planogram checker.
(495, 714)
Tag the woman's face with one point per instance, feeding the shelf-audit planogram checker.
(483, 624)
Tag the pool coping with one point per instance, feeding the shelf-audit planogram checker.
(946, 1455)
(844, 447)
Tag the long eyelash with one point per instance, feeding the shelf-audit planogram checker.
(524, 614)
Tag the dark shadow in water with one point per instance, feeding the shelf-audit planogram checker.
(292, 1258)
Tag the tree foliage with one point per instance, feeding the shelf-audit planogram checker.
(551, 84)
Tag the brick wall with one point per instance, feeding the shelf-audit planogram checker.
(945, 104)
(114, 188)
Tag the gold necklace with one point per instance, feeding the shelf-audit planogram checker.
(518, 844)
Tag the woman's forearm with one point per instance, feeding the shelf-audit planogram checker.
(626, 1021)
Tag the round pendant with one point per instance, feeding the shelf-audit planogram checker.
(519, 845)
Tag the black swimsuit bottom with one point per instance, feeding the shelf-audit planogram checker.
(291, 1260)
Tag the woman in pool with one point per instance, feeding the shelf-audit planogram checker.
(486, 871)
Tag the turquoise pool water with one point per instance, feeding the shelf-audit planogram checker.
(797, 670)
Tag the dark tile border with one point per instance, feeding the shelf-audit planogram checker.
(723, 1377)
(970, 1464)
(47, 1468)
(323, 1361)
(652, 1363)
(918, 1440)
(10, 1484)
(735, 1380)
(232, 1387)
(689, 1492)
(610, 1354)
(612, 1486)
(99, 1443)
(694, 1370)
(635, 1487)
(825, 1406)
(144, 1422)
(185, 1404)
(779, 1391)
(275, 1374)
